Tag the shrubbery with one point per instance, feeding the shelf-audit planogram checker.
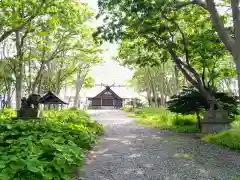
(51, 149)
(127, 109)
(164, 119)
(7, 114)
(230, 138)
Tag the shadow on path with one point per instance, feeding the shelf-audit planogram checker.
(129, 151)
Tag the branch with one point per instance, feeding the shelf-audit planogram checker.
(217, 22)
(9, 32)
(197, 2)
(67, 74)
(23, 37)
(236, 19)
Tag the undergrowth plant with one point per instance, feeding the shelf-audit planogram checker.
(46, 150)
(164, 119)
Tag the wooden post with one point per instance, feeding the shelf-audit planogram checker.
(101, 102)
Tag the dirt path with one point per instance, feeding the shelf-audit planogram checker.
(132, 152)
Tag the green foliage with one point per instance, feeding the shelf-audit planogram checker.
(164, 119)
(184, 120)
(236, 122)
(7, 114)
(127, 109)
(131, 115)
(230, 138)
(152, 32)
(48, 149)
(190, 101)
(70, 116)
(92, 107)
(89, 82)
(53, 35)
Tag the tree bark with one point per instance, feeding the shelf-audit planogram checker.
(162, 84)
(9, 95)
(78, 88)
(184, 68)
(219, 26)
(153, 87)
(198, 121)
(37, 79)
(58, 83)
(19, 72)
(149, 97)
(40, 85)
(29, 77)
(176, 74)
(231, 44)
(238, 74)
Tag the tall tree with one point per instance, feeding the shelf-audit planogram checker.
(27, 21)
(167, 31)
(228, 29)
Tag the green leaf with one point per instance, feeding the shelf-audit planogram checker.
(34, 165)
(9, 126)
(17, 165)
(2, 164)
(42, 33)
(47, 142)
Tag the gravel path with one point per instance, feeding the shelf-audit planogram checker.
(132, 152)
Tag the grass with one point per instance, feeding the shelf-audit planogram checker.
(164, 119)
(229, 138)
(187, 129)
(127, 109)
(131, 115)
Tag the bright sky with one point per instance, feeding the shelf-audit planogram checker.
(110, 71)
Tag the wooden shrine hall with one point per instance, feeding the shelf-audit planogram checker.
(107, 98)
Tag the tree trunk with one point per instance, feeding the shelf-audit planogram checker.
(38, 76)
(154, 94)
(153, 88)
(162, 88)
(29, 77)
(238, 75)
(184, 81)
(78, 88)
(198, 121)
(176, 79)
(9, 95)
(197, 83)
(39, 85)
(58, 82)
(19, 72)
(149, 97)
(231, 44)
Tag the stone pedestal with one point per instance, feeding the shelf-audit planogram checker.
(215, 121)
(29, 113)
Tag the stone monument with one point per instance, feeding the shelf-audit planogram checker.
(215, 120)
(29, 107)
